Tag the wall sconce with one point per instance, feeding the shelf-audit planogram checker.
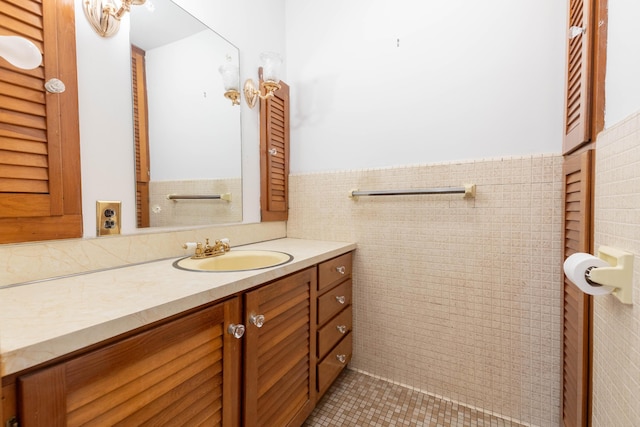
(271, 63)
(104, 16)
(231, 81)
(20, 52)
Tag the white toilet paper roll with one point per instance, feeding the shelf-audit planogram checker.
(575, 267)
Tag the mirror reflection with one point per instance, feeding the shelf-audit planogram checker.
(187, 134)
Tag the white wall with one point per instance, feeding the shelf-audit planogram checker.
(623, 62)
(106, 121)
(191, 126)
(467, 80)
(106, 128)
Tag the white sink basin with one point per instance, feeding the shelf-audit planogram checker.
(235, 260)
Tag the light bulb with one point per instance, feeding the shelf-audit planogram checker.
(20, 52)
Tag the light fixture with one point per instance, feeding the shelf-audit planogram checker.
(104, 15)
(231, 81)
(271, 63)
(20, 52)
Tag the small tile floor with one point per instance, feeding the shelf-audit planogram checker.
(359, 400)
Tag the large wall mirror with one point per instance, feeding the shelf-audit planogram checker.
(187, 134)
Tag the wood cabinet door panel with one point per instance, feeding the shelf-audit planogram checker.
(176, 371)
(279, 356)
(40, 195)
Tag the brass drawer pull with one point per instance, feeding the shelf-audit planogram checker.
(341, 358)
(341, 299)
(342, 270)
(342, 329)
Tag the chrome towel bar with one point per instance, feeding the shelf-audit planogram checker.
(469, 191)
(225, 196)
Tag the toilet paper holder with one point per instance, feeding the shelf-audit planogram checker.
(618, 276)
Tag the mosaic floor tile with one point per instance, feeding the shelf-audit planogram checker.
(359, 400)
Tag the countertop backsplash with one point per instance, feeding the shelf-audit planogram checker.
(41, 260)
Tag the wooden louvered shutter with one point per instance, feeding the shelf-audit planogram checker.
(279, 364)
(40, 196)
(141, 135)
(586, 63)
(577, 319)
(274, 155)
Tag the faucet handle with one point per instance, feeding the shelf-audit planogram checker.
(189, 245)
(225, 244)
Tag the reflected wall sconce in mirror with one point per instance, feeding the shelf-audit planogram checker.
(104, 15)
(20, 52)
(231, 81)
(271, 63)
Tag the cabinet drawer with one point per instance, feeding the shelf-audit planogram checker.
(333, 271)
(333, 364)
(334, 301)
(333, 331)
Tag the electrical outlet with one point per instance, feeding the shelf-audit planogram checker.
(107, 218)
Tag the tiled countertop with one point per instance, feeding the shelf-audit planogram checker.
(44, 320)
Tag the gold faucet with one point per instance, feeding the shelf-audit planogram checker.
(219, 247)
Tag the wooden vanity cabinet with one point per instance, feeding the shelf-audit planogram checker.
(280, 347)
(334, 320)
(184, 372)
(189, 369)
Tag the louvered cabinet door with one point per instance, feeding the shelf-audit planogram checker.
(274, 155)
(578, 75)
(40, 195)
(279, 368)
(186, 372)
(585, 72)
(141, 135)
(577, 321)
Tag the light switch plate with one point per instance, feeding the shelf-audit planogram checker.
(107, 217)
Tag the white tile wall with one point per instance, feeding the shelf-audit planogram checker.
(616, 350)
(459, 298)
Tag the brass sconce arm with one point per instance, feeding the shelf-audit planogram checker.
(233, 95)
(251, 94)
(105, 16)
